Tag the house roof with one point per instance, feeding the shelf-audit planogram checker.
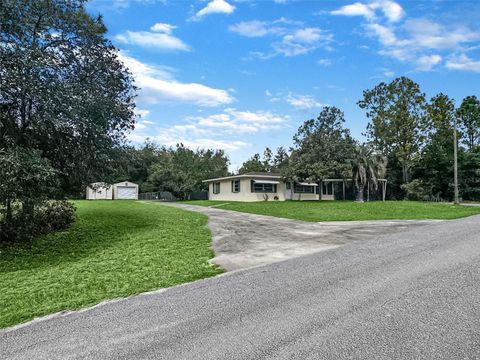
(263, 173)
(250, 175)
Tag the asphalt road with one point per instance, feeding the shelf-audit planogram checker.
(411, 295)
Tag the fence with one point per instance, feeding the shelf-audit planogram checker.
(160, 195)
(168, 196)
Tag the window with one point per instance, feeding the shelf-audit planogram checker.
(216, 188)
(305, 189)
(289, 185)
(235, 186)
(263, 188)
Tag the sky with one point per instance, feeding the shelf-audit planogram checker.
(243, 75)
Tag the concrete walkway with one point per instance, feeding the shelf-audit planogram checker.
(242, 240)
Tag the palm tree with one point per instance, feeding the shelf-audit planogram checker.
(367, 165)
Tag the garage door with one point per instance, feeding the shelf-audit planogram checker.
(126, 192)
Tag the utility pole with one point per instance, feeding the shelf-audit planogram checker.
(455, 162)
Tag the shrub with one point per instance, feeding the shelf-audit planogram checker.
(47, 216)
(416, 190)
(27, 180)
(53, 215)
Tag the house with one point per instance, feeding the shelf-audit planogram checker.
(99, 191)
(125, 190)
(260, 186)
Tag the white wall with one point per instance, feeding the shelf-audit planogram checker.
(124, 183)
(245, 193)
(99, 193)
(303, 196)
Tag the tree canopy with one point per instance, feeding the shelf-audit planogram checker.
(322, 148)
(66, 103)
(63, 90)
(397, 114)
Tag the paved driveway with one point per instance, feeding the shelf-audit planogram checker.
(242, 240)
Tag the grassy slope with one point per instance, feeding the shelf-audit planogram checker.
(115, 249)
(347, 210)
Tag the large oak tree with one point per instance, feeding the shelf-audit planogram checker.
(63, 90)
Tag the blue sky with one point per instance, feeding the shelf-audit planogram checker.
(242, 75)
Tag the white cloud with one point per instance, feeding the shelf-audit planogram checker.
(158, 86)
(142, 113)
(325, 62)
(233, 121)
(385, 35)
(214, 7)
(142, 122)
(254, 28)
(427, 62)
(302, 41)
(356, 9)
(206, 143)
(302, 101)
(292, 37)
(390, 9)
(214, 130)
(163, 28)
(463, 62)
(430, 35)
(421, 42)
(160, 38)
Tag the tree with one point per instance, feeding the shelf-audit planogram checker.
(254, 164)
(280, 160)
(181, 171)
(63, 90)
(397, 128)
(367, 166)
(322, 148)
(469, 114)
(435, 166)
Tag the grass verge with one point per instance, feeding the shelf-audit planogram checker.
(347, 210)
(114, 249)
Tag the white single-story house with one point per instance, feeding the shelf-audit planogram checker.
(260, 186)
(99, 191)
(125, 190)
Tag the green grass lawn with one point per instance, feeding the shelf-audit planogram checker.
(115, 249)
(346, 210)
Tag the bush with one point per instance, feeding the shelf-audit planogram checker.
(416, 190)
(53, 215)
(47, 216)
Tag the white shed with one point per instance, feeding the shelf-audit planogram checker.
(99, 191)
(125, 190)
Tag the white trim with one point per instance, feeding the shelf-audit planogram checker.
(243, 177)
(266, 182)
(307, 184)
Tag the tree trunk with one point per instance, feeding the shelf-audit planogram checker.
(8, 212)
(360, 190)
(405, 173)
